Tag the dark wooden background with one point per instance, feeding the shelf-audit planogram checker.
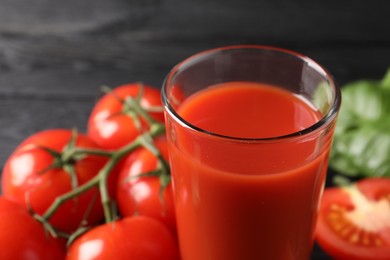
(54, 55)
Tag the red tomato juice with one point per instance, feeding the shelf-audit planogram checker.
(245, 199)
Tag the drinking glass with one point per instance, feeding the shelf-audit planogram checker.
(248, 197)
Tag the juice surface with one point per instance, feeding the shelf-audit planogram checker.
(248, 110)
(240, 199)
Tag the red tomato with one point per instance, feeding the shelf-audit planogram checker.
(23, 180)
(22, 237)
(354, 222)
(135, 238)
(110, 126)
(141, 195)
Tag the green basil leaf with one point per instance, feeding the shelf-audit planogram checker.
(363, 151)
(386, 80)
(361, 146)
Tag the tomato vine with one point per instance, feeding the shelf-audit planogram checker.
(72, 153)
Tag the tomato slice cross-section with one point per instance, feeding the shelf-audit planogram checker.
(354, 221)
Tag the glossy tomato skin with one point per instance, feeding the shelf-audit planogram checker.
(112, 129)
(342, 239)
(22, 237)
(135, 238)
(24, 182)
(141, 196)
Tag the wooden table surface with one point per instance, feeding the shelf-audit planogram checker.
(54, 55)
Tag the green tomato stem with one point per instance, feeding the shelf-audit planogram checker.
(155, 131)
(71, 153)
(100, 180)
(99, 152)
(69, 195)
(135, 105)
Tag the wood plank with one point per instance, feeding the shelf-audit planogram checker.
(70, 81)
(289, 20)
(20, 118)
(151, 36)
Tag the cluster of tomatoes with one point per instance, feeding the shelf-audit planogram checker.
(105, 194)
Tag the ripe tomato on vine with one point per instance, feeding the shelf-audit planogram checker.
(124, 113)
(22, 237)
(141, 190)
(40, 170)
(136, 238)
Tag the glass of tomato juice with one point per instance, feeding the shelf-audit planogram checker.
(249, 131)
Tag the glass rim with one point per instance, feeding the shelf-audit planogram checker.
(323, 122)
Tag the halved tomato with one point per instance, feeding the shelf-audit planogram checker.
(354, 221)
